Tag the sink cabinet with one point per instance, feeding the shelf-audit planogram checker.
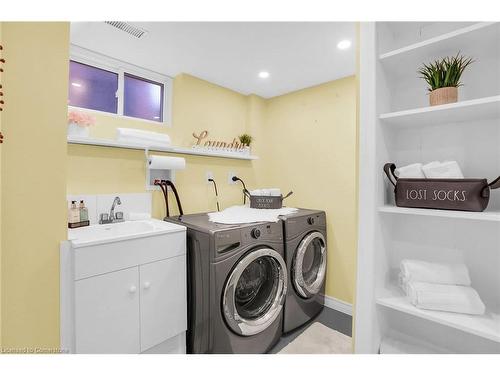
(107, 313)
(106, 308)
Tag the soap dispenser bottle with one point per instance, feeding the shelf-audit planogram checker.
(73, 214)
(84, 212)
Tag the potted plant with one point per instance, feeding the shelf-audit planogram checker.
(443, 77)
(79, 123)
(246, 140)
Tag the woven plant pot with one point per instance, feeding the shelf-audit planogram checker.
(444, 95)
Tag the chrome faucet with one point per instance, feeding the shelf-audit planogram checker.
(112, 217)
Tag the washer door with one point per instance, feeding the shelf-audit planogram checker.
(309, 265)
(255, 292)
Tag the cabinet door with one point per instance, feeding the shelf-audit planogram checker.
(163, 300)
(107, 313)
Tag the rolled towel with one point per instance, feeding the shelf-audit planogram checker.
(410, 171)
(441, 297)
(274, 192)
(129, 134)
(439, 273)
(446, 169)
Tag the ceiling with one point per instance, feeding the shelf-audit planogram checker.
(231, 54)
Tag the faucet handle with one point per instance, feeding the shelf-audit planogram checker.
(119, 216)
(104, 219)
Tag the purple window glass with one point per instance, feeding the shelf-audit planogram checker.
(92, 88)
(143, 98)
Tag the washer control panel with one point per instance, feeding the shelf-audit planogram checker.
(228, 240)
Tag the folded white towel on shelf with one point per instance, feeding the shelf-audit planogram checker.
(143, 137)
(441, 297)
(410, 171)
(446, 169)
(245, 214)
(439, 273)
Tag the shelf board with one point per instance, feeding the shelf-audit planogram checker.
(480, 216)
(172, 149)
(486, 326)
(469, 40)
(467, 110)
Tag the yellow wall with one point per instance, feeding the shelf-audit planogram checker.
(310, 147)
(197, 105)
(0, 214)
(33, 187)
(306, 142)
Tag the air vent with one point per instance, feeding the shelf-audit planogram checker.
(128, 28)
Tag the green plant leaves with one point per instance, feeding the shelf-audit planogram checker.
(445, 72)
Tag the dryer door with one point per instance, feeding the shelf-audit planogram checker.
(255, 292)
(309, 265)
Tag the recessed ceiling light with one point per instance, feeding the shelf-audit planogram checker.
(264, 74)
(344, 44)
(76, 84)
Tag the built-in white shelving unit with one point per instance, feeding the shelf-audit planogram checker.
(397, 125)
(469, 38)
(481, 216)
(172, 149)
(485, 326)
(464, 111)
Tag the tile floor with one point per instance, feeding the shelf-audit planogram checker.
(331, 318)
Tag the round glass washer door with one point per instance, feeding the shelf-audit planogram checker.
(309, 265)
(255, 292)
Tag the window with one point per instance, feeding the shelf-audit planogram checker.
(143, 98)
(100, 83)
(92, 88)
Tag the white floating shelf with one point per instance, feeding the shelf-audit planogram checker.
(481, 216)
(468, 110)
(473, 40)
(173, 149)
(486, 326)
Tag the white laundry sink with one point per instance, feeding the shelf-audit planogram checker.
(104, 233)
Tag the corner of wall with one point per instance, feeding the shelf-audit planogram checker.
(1, 322)
(34, 152)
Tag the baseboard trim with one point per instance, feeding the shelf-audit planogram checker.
(336, 304)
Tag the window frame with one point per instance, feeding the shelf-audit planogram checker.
(94, 59)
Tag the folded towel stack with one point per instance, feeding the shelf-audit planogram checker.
(434, 169)
(439, 286)
(446, 169)
(273, 192)
(142, 137)
(245, 214)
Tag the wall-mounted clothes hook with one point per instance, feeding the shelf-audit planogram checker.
(2, 61)
(1, 137)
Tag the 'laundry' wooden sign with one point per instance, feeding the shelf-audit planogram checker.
(235, 145)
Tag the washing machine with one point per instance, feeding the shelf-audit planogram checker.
(305, 256)
(237, 284)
